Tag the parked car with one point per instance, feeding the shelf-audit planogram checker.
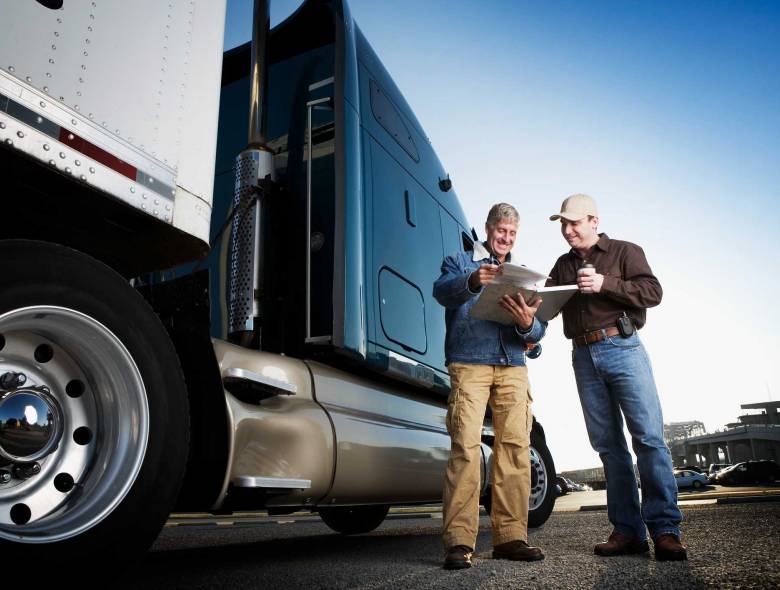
(574, 486)
(687, 478)
(689, 468)
(562, 484)
(764, 470)
(715, 467)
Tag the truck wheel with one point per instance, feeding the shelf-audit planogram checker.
(543, 493)
(93, 410)
(542, 500)
(353, 520)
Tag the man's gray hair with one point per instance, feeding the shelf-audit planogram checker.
(501, 211)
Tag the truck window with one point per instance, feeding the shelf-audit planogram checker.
(389, 117)
(450, 233)
(468, 243)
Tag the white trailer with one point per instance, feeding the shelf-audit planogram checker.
(108, 123)
(122, 96)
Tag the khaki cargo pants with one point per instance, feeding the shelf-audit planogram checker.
(507, 391)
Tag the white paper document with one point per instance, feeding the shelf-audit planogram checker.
(519, 279)
(520, 276)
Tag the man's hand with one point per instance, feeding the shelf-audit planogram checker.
(483, 275)
(589, 281)
(522, 313)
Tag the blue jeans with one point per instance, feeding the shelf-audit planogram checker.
(615, 379)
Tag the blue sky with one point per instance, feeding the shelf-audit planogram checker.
(666, 112)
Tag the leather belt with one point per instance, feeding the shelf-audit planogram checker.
(595, 336)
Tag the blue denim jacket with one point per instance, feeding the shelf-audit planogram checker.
(470, 340)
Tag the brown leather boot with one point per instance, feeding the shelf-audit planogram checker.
(457, 558)
(517, 551)
(669, 548)
(620, 544)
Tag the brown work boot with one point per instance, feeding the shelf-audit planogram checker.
(457, 558)
(620, 544)
(517, 551)
(669, 548)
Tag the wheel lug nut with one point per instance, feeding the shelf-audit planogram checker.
(26, 470)
(11, 380)
(5, 476)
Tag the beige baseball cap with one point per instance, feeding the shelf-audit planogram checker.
(576, 207)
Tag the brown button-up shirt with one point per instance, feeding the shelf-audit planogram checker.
(629, 285)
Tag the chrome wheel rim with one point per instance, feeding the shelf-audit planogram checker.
(90, 378)
(539, 481)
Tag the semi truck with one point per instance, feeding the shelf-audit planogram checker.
(216, 277)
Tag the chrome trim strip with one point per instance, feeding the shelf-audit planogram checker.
(309, 144)
(406, 367)
(246, 375)
(321, 83)
(247, 481)
(310, 106)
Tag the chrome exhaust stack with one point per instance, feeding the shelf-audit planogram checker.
(254, 168)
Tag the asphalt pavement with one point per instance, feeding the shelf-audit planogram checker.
(730, 546)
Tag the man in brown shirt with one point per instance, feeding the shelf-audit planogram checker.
(615, 379)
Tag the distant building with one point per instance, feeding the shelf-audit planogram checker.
(754, 436)
(769, 415)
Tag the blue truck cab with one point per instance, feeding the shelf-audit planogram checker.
(383, 211)
(351, 238)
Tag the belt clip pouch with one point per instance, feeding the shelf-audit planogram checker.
(624, 325)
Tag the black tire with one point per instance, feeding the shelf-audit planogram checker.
(86, 292)
(543, 492)
(354, 520)
(697, 484)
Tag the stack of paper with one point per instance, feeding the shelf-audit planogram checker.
(519, 275)
(515, 280)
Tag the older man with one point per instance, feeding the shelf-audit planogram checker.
(486, 362)
(615, 380)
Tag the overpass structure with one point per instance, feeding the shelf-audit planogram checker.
(755, 436)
